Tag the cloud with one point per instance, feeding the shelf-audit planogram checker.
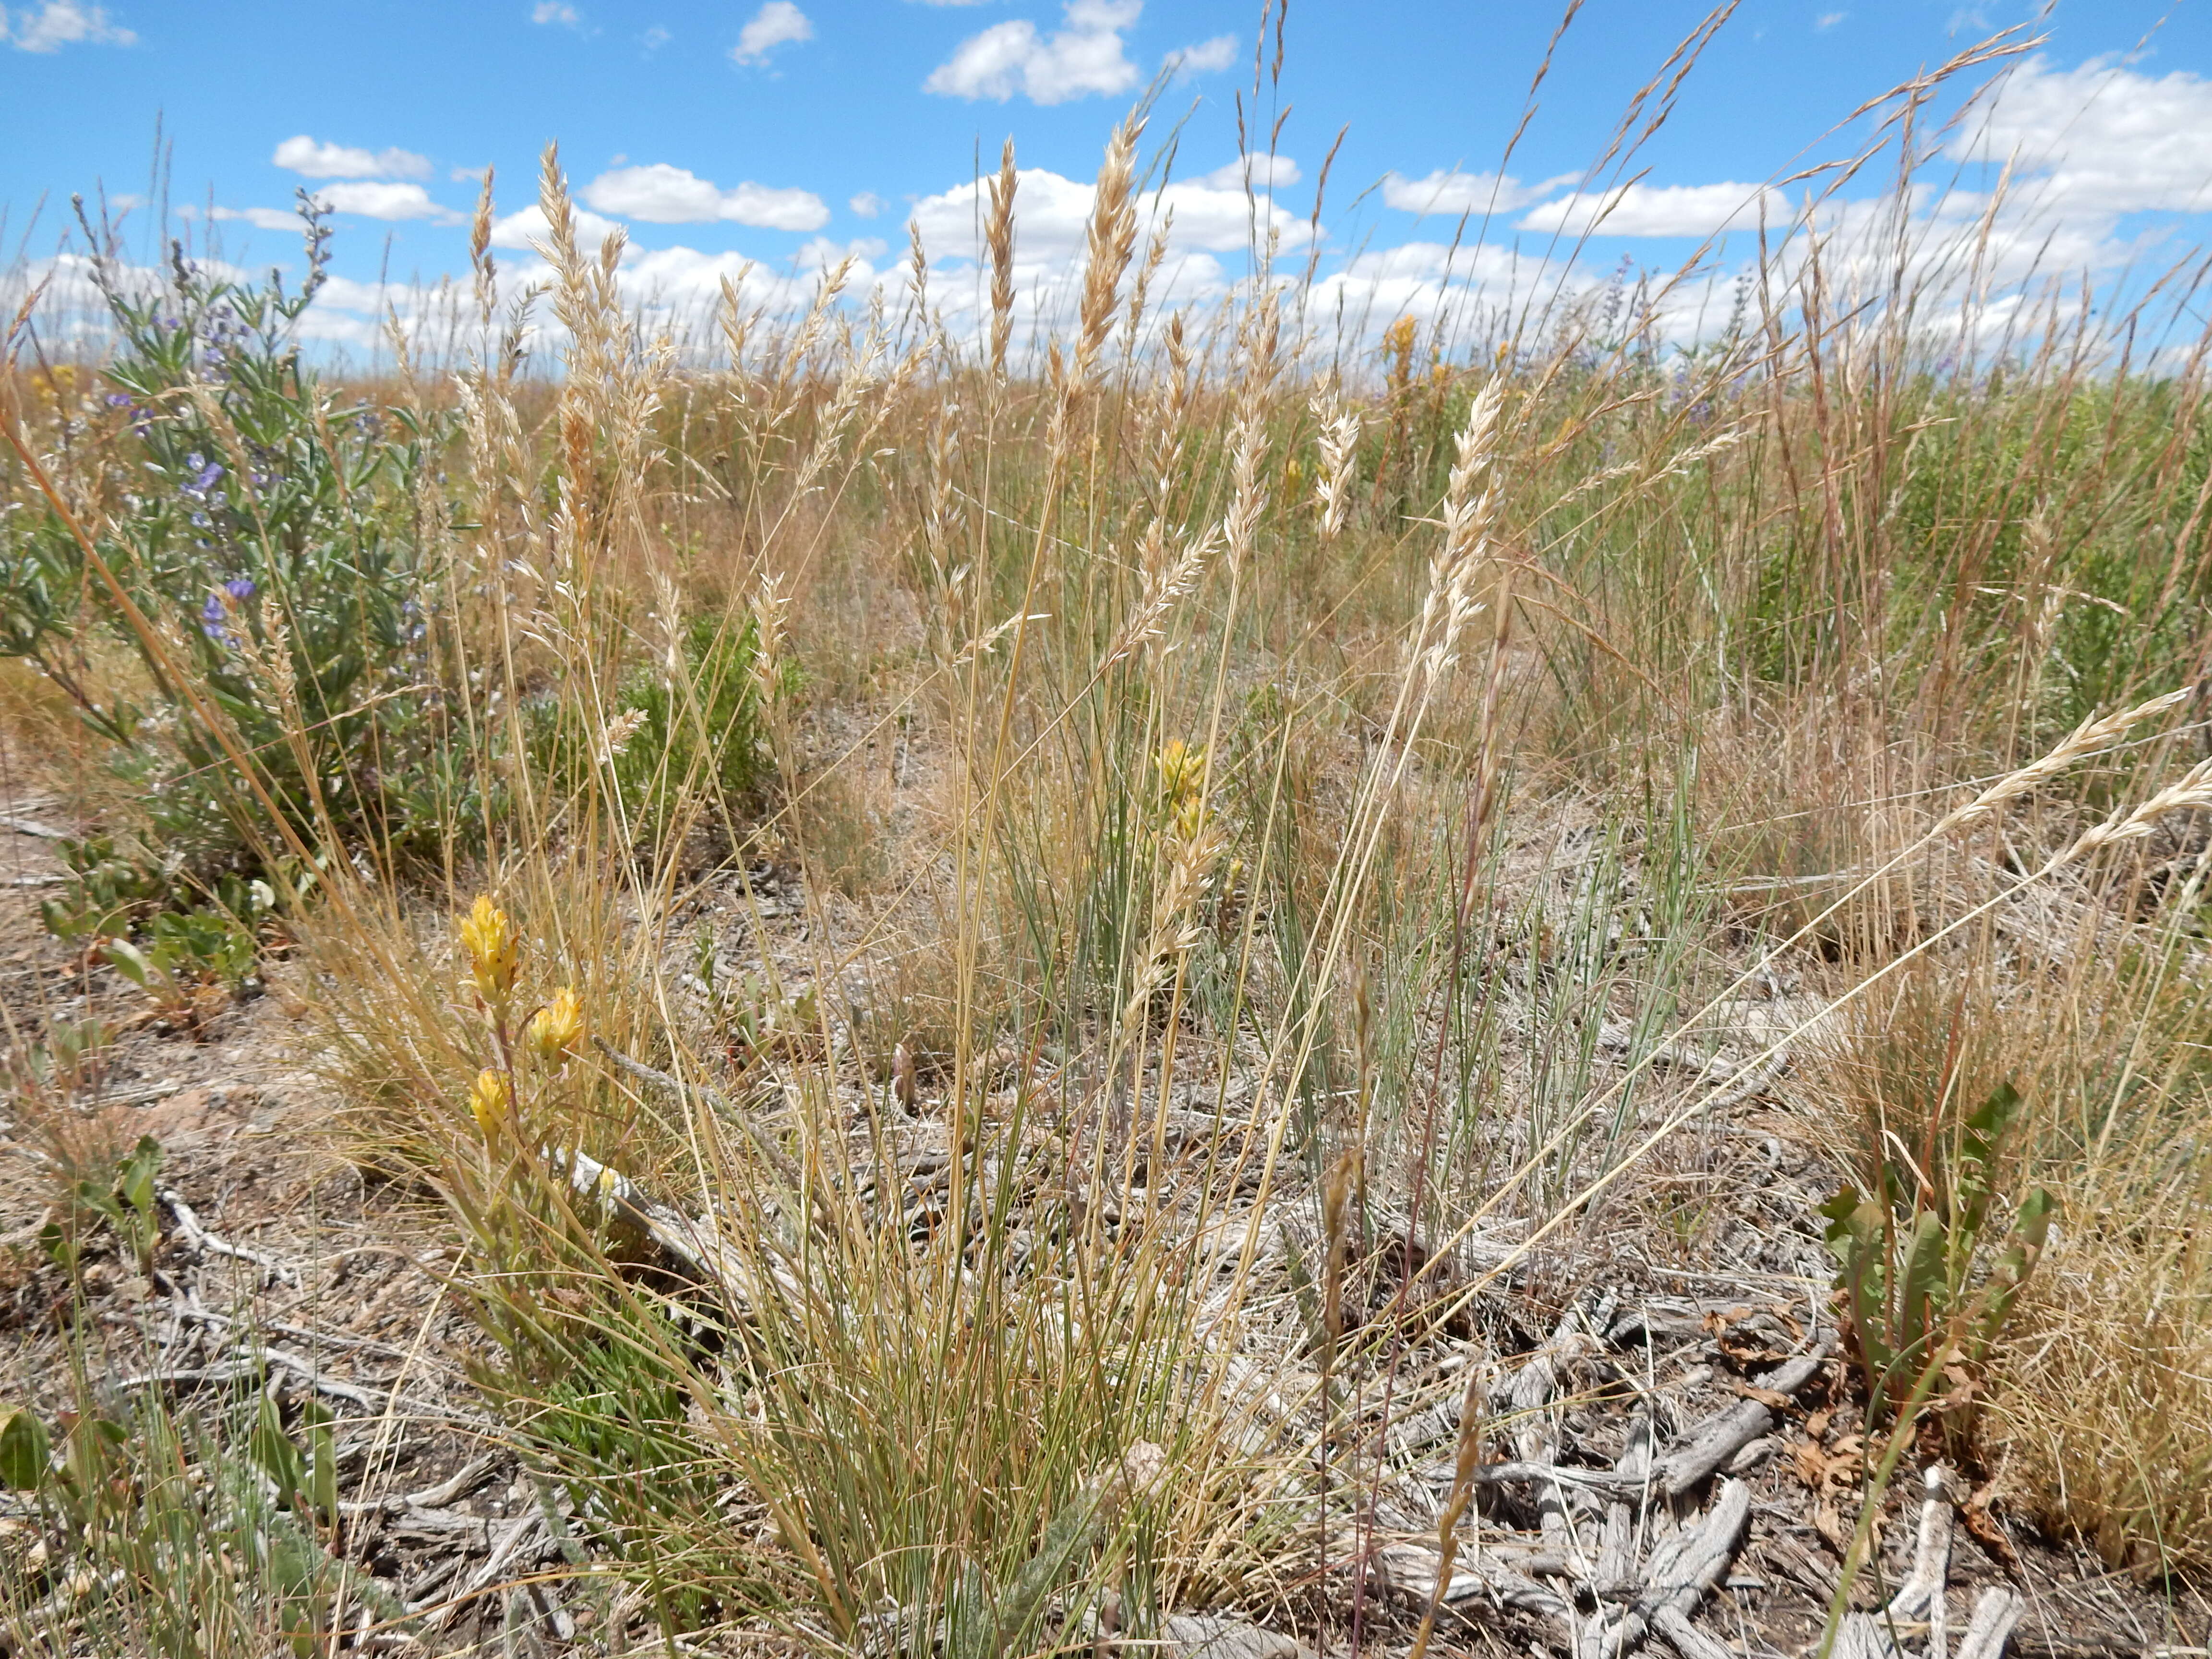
(1828, 20)
(778, 23)
(383, 201)
(820, 253)
(1052, 214)
(312, 160)
(867, 203)
(664, 195)
(1265, 172)
(260, 218)
(556, 11)
(59, 23)
(1204, 58)
(521, 229)
(1658, 210)
(1429, 280)
(1457, 193)
(654, 37)
(1085, 57)
(2097, 139)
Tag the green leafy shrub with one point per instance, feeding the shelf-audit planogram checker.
(278, 549)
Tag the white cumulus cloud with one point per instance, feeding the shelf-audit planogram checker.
(664, 195)
(556, 11)
(1082, 57)
(1455, 192)
(523, 228)
(1203, 58)
(59, 23)
(1265, 172)
(778, 23)
(867, 203)
(1052, 213)
(312, 159)
(1658, 210)
(2099, 139)
(260, 218)
(374, 200)
(1215, 224)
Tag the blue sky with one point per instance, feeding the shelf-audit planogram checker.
(795, 132)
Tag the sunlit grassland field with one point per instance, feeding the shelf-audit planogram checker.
(1010, 957)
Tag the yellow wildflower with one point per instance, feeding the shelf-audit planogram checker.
(492, 1102)
(1181, 766)
(494, 950)
(556, 1029)
(1182, 778)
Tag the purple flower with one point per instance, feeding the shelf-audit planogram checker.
(119, 400)
(239, 587)
(204, 474)
(212, 610)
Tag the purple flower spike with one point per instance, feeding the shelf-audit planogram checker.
(239, 587)
(212, 611)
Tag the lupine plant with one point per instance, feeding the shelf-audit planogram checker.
(274, 541)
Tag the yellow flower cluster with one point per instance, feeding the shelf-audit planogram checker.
(555, 1031)
(495, 952)
(551, 1035)
(492, 1102)
(1182, 784)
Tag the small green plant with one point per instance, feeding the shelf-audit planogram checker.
(69, 1058)
(1929, 1267)
(105, 892)
(1927, 1277)
(193, 1536)
(122, 1197)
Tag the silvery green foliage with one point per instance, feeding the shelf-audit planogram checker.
(273, 537)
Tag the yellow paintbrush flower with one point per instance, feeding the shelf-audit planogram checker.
(1181, 769)
(491, 1101)
(555, 1031)
(494, 950)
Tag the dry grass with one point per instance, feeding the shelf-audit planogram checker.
(1132, 863)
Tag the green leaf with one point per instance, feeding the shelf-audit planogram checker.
(272, 1447)
(134, 1176)
(128, 960)
(1926, 1287)
(24, 1450)
(2032, 1223)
